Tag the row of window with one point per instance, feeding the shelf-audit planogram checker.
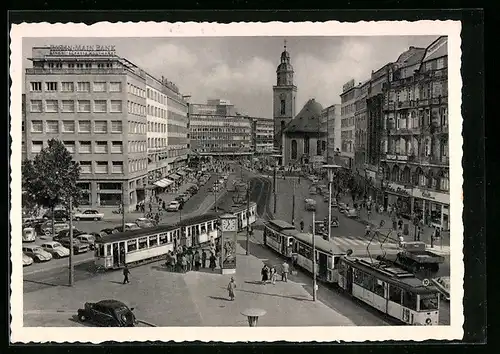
(85, 147)
(69, 65)
(101, 167)
(155, 143)
(419, 179)
(157, 96)
(81, 86)
(224, 145)
(221, 130)
(137, 165)
(347, 109)
(218, 137)
(347, 122)
(418, 91)
(423, 148)
(157, 127)
(136, 108)
(157, 112)
(70, 126)
(82, 106)
(136, 91)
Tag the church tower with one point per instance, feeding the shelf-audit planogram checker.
(284, 94)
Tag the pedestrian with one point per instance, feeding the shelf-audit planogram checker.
(263, 273)
(367, 230)
(268, 273)
(400, 224)
(164, 206)
(400, 238)
(203, 259)
(183, 264)
(301, 225)
(230, 288)
(189, 261)
(284, 271)
(212, 261)
(157, 218)
(273, 275)
(126, 273)
(299, 179)
(197, 262)
(419, 230)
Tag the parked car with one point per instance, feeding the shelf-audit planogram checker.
(105, 232)
(78, 247)
(144, 223)
(55, 249)
(89, 215)
(313, 191)
(180, 200)
(46, 228)
(29, 234)
(343, 208)
(37, 253)
(334, 203)
(174, 206)
(128, 226)
(27, 260)
(310, 204)
(65, 233)
(335, 221)
(88, 239)
(351, 213)
(184, 196)
(59, 215)
(107, 313)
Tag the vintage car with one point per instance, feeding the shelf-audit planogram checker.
(174, 206)
(37, 253)
(107, 313)
(78, 247)
(334, 221)
(310, 204)
(128, 226)
(27, 260)
(59, 215)
(46, 228)
(351, 213)
(29, 234)
(89, 215)
(88, 239)
(55, 249)
(144, 222)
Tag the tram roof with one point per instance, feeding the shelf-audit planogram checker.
(391, 274)
(320, 242)
(198, 219)
(283, 225)
(131, 234)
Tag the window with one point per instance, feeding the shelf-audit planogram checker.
(131, 245)
(52, 126)
(70, 146)
(428, 302)
(99, 87)
(101, 167)
(117, 147)
(84, 106)
(85, 167)
(116, 106)
(163, 238)
(36, 146)
(85, 147)
(394, 294)
(117, 167)
(68, 106)
(100, 126)
(84, 126)
(143, 242)
(378, 287)
(36, 126)
(116, 126)
(68, 126)
(410, 300)
(36, 106)
(101, 147)
(83, 86)
(100, 106)
(36, 86)
(51, 86)
(67, 86)
(51, 106)
(115, 87)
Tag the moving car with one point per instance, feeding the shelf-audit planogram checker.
(144, 223)
(89, 215)
(310, 204)
(59, 215)
(65, 233)
(27, 260)
(351, 213)
(55, 249)
(334, 221)
(174, 206)
(105, 232)
(107, 313)
(343, 208)
(128, 226)
(37, 253)
(78, 247)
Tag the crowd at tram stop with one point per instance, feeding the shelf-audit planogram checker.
(269, 274)
(185, 259)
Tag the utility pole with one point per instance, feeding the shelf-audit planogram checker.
(248, 219)
(274, 188)
(215, 191)
(330, 180)
(314, 255)
(293, 203)
(123, 206)
(71, 268)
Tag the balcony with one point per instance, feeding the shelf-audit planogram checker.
(443, 160)
(77, 71)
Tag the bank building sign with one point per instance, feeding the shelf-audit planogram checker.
(82, 50)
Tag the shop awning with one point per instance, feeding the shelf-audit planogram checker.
(174, 177)
(181, 173)
(169, 181)
(162, 183)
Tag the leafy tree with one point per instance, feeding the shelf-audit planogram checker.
(50, 178)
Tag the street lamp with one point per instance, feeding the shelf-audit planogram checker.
(331, 172)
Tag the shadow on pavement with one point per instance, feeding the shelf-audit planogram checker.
(74, 319)
(254, 282)
(219, 298)
(298, 298)
(116, 282)
(55, 283)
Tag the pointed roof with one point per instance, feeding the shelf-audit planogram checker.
(308, 119)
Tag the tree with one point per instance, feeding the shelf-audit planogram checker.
(50, 178)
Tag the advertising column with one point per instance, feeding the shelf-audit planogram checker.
(229, 228)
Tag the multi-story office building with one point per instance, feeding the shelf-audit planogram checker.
(177, 126)
(262, 135)
(415, 136)
(23, 127)
(222, 107)
(329, 118)
(96, 103)
(360, 127)
(347, 125)
(218, 135)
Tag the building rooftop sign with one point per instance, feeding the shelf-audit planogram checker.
(347, 86)
(82, 50)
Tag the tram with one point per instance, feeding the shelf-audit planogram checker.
(135, 247)
(276, 237)
(390, 289)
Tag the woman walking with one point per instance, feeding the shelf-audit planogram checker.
(273, 275)
(212, 262)
(230, 288)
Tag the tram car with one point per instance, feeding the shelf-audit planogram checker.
(390, 289)
(243, 218)
(197, 231)
(276, 238)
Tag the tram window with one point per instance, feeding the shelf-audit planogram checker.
(203, 229)
(100, 250)
(163, 239)
(395, 294)
(378, 287)
(143, 243)
(368, 282)
(341, 268)
(304, 251)
(131, 245)
(428, 302)
(358, 277)
(410, 300)
(108, 250)
(153, 241)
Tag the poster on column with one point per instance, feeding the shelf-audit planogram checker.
(229, 254)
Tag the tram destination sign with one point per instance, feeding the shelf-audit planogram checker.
(82, 50)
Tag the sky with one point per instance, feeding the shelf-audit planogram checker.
(243, 69)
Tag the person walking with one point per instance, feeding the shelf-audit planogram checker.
(197, 262)
(368, 229)
(301, 225)
(126, 273)
(203, 259)
(212, 261)
(263, 273)
(273, 275)
(284, 272)
(183, 263)
(189, 261)
(230, 288)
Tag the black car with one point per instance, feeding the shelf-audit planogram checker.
(107, 231)
(65, 234)
(59, 215)
(107, 313)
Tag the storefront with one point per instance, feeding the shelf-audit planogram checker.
(432, 207)
(399, 196)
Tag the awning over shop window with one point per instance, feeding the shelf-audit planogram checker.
(181, 173)
(162, 183)
(174, 177)
(169, 181)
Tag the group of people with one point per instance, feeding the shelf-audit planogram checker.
(270, 274)
(185, 260)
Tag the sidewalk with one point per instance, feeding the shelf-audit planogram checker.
(191, 299)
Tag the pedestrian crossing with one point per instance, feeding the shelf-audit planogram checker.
(354, 242)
